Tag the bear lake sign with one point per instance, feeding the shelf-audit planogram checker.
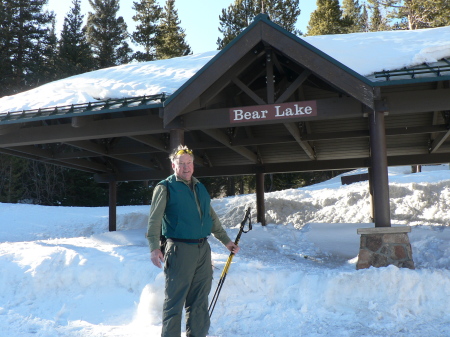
(260, 113)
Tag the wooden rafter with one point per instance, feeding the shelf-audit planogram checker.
(103, 151)
(295, 132)
(109, 128)
(45, 156)
(293, 86)
(223, 138)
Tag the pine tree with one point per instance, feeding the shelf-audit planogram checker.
(74, 53)
(352, 16)
(107, 34)
(11, 171)
(377, 21)
(171, 42)
(25, 40)
(326, 19)
(364, 19)
(5, 66)
(415, 14)
(238, 16)
(49, 70)
(146, 34)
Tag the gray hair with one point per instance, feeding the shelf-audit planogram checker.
(180, 150)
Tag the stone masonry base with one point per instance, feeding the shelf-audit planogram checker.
(383, 246)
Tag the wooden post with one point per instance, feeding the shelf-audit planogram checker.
(176, 138)
(260, 208)
(112, 206)
(379, 170)
(372, 212)
(270, 77)
(231, 186)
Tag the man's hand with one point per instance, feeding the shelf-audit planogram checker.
(157, 257)
(232, 247)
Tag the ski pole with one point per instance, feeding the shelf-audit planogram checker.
(248, 218)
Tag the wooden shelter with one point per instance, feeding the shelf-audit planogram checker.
(267, 103)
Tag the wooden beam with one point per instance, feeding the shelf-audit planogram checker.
(103, 151)
(414, 101)
(295, 132)
(438, 141)
(8, 128)
(270, 79)
(285, 167)
(415, 130)
(223, 81)
(105, 128)
(78, 164)
(329, 108)
(249, 169)
(223, 138)
(248, 91)
(74, 155)
(294, 86)
(256, 141)
(152, 141)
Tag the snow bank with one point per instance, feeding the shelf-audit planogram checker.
(68, 276)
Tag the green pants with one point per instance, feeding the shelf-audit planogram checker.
(188, 274)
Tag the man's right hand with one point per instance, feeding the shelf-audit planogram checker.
(157, 257)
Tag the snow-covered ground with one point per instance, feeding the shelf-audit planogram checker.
(63, 274)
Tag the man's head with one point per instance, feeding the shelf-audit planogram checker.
(182, 160)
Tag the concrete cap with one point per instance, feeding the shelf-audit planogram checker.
(384, 230)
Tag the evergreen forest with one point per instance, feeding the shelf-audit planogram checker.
(33, 53)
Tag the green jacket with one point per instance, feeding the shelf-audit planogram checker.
(187, 210)
(157, 211)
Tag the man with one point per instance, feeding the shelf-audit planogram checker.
(181, 206)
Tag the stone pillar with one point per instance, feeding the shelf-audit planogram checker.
(383, 246)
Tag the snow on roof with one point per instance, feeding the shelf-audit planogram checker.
(129, 80)
(365, 53)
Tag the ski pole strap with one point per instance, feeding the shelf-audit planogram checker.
(247, 218)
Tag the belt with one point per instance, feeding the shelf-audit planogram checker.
(188, 240)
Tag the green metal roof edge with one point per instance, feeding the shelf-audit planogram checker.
(411, 81)
(23, 118)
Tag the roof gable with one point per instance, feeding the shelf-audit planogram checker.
(261, 37)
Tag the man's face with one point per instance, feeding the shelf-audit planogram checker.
(183, 166)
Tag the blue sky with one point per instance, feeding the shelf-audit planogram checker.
(199, 18)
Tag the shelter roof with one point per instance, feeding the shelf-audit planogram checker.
(116, 122)
(372, 56)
